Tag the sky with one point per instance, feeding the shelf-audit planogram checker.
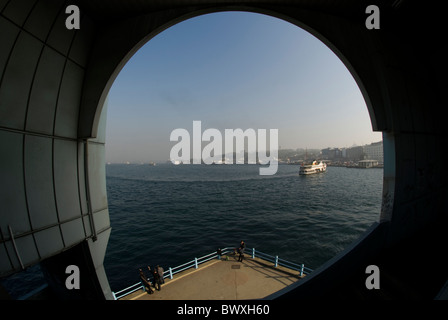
(234, 70)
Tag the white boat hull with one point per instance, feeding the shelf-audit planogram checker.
(312, 168)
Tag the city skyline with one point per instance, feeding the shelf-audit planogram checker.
(281, 156)
(234, 70)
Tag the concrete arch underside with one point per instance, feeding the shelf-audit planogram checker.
(54, 83)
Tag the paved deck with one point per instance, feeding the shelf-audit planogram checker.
(223, 280)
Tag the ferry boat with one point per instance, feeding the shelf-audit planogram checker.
(312, 168)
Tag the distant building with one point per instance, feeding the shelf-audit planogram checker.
(367, 163)
(374, 151)
(331, 153)
(355, 153)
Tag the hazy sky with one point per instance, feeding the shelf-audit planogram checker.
(234, 70)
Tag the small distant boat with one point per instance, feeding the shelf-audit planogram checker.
(312, 168)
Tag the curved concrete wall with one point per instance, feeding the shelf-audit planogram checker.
(52, 189)
(54, 82)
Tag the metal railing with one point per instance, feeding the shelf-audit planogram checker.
(214, 255)
(282, 262)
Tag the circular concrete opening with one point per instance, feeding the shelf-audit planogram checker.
(295, 84)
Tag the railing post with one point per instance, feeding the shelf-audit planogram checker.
(143, 286)
(253, 253)
(276, 261)
(171, 273)
(301, 269)
(113, 295)
(195, 263)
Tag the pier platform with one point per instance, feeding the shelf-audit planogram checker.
(225, 279)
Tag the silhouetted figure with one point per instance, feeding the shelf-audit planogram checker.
(160, 272)
(241, 251)
(145, 282)
(156, 279)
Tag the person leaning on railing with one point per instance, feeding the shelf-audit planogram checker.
(145, 282)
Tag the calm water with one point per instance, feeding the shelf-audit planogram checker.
(168, 214)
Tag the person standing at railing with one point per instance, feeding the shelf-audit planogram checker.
(156, 279)
(241, 251)
(243, 245)
(160, 272)
(145, 282)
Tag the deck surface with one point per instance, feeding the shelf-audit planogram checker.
(223, 280)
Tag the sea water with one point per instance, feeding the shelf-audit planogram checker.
(168, 215)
